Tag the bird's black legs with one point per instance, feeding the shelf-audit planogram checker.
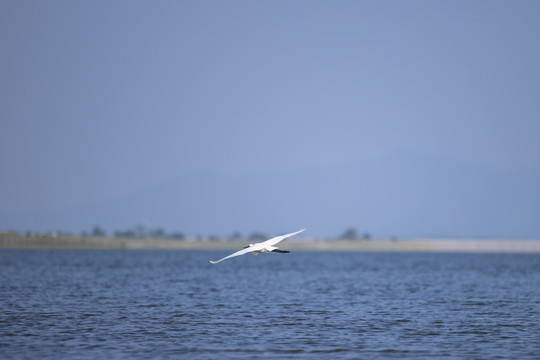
(281, 251)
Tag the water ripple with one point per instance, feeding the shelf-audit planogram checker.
(173, 304)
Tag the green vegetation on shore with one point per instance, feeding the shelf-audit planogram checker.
(64, 241)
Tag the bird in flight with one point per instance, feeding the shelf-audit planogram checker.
(262, 247)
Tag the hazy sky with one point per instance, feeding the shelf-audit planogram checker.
(103, 100)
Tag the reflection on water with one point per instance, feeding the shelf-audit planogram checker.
(175, 304)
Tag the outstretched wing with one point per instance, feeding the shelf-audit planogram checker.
(258, 246)
(238, 253)
(274, 241)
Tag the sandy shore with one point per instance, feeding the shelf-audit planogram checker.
(45, 241)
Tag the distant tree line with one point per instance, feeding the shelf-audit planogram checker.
(143, 232)
(352, 234)
(139, 232)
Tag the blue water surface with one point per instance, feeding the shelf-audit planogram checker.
(171, 304)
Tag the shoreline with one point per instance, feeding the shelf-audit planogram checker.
(10, 240)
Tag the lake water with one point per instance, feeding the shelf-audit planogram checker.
(163, 304)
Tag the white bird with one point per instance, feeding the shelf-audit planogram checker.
(262, 247)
